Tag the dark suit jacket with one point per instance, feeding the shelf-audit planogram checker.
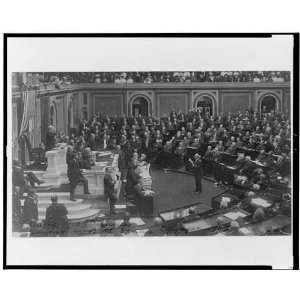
(74, 173)
(30, 209)
(56, 217)
(108, 185)
(198, 167)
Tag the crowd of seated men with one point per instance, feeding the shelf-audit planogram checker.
(249, 148)
(58, 80)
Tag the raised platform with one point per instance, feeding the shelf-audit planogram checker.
(56, 182)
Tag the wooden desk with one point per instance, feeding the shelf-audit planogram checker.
(201, 226)
(181, 213)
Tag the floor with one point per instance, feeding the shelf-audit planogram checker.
(174, 190)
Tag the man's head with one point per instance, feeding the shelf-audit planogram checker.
(126, 216)
(30, 191)
(108, 170)
(197, 156)
(157, 222)
(259, 171)
(54, 198)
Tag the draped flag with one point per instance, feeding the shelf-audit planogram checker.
(28, 121)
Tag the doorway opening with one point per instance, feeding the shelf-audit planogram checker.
(268, 104)
(204, 105)
(139, 106)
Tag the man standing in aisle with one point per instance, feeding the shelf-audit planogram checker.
(109, 190)
(198, 171)
(75, 176)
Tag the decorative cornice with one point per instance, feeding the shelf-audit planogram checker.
(156, 86)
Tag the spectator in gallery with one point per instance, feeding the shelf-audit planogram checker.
(129, 79)
(98, 78)
(148, 79)
(56, 221)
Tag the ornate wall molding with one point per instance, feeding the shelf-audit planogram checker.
(132, 95)
(212, 94)
(277, 94)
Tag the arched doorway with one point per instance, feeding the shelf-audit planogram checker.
(268, 104)
(204, 104)
(139, 106)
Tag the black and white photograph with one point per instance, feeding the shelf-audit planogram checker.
(151, 153)
(179, 152)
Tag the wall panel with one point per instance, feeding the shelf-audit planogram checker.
(169, 102)
(109, 104)
(234, 102)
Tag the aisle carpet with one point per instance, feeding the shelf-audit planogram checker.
(174, 190)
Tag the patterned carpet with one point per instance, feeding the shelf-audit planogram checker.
(174, 190)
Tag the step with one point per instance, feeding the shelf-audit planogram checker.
(67, 203)
(78, 216)
(47, 196)
(70, 208)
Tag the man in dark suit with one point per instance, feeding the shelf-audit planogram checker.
(30, 207)
(198, 171)
(109, 190)
(122, 163)
(75, 176)
(56, 221)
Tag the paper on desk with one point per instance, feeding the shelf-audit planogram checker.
(104, 153)
(228, 199)
(119, 206)
(245, 230)
(148, 192)
(118, 222)
(260, 202)
(235, 215)
(168, 216)
(137, 221)
(196, 225)
(231, 168)
(142, 232)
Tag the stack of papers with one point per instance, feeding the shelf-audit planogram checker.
(142, 232)
(224, 202)
(235, 215)
(260, 202)
(245, 230)
(137, 221)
